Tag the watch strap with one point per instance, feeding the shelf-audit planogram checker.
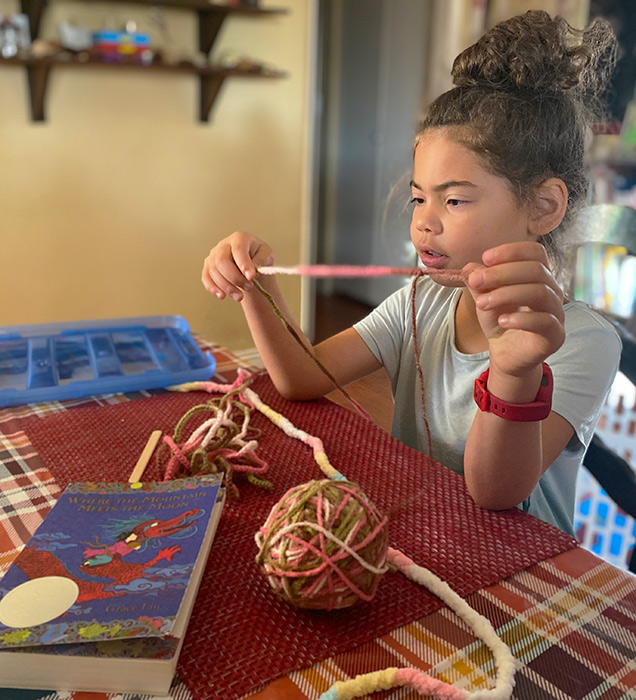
(537, 410)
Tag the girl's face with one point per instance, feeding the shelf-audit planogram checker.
(459, 208)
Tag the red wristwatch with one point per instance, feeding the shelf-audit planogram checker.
(537, 410)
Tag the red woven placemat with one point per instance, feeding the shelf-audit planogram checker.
(241, 636)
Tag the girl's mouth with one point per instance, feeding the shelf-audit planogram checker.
(430, 258)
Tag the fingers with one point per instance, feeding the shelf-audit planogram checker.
(221, 275)
(232, 265)
(514, 290)
(522, 272)
(508, 299)
(515, 252)
(542, 325)
(249, 259)
(515, 264)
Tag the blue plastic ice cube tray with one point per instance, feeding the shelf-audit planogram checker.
(64, 361)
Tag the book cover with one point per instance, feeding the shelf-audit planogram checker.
(111, 574)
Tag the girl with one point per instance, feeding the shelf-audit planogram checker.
(498, 173)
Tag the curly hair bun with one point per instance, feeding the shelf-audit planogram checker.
(536, 52)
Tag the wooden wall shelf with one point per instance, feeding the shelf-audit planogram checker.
(211, 78)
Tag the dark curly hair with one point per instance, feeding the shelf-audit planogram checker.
(526, 95)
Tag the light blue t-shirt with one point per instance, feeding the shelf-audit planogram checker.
(583, 368)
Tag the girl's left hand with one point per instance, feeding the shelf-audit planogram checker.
(519, 306)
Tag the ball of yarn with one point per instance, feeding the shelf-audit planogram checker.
(324, 545)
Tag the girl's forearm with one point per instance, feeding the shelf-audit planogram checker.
(504, 459)
(294, 373)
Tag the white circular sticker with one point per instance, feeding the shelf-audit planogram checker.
(38, 601)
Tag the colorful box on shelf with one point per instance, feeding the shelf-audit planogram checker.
(112, 44)
(70, 360)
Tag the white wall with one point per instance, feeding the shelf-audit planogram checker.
(110, 206)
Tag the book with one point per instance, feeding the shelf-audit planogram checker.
(100, 597)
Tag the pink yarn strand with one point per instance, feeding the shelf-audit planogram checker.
(177, 457)
(363, 271)
(427, 685)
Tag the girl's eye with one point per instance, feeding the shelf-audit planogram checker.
(455, 202)
(417, 200)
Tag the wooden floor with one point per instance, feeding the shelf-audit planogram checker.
(335, 313)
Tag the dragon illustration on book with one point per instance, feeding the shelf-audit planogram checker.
(108, 560)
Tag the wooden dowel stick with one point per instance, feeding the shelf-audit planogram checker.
(144, 457)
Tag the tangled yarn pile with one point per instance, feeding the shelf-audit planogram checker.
(224, 441)
(324, 545)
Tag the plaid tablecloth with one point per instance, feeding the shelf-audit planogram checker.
(569, 620)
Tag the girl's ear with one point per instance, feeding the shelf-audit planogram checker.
(549, 206)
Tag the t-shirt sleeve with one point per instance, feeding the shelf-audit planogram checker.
(584, 369)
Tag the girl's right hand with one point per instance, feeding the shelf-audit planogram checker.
(232, 265)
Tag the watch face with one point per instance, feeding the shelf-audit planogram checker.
(480, 394)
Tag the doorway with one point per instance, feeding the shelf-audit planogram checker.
(371, 84)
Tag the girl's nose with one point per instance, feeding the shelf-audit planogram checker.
(426, 219)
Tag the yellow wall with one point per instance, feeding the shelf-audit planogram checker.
(109, 207)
